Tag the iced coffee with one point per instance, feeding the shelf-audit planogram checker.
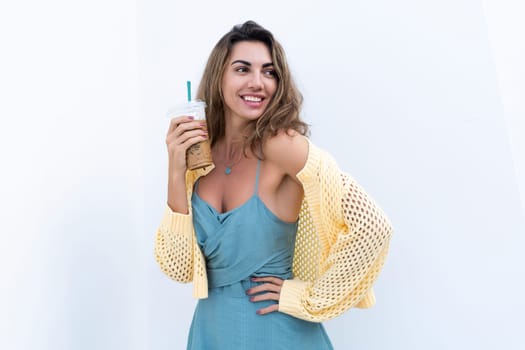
(198, 155)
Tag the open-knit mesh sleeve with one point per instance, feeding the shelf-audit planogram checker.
(174, 246)
(352, 242)
(176, 250)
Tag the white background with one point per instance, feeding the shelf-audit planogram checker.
(421, 101)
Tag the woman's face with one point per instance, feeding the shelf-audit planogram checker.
(249, 81)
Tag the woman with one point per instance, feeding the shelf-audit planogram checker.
(272, 201)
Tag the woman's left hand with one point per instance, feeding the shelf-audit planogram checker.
(269, 290)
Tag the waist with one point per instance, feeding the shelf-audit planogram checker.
(279, 265)
(238, 289)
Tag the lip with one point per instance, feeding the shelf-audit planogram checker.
(261, 96)
(253, 103)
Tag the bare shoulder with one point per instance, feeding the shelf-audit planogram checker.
(288, 150)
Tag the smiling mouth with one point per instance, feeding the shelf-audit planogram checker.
(252, 98)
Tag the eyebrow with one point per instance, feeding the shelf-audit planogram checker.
(249, 64)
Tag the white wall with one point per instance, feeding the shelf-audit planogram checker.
(505, 32)
(411, 97)
(405, 95)
(72, 235)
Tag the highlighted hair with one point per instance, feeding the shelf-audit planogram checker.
(282, 113)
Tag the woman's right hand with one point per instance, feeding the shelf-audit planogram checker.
(183, 132)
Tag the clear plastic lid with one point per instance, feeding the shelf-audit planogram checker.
(196, 108)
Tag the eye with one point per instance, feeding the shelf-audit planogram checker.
(270, 73)
(241, 69)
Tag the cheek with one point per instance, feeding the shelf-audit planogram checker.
(226, 90)
(229, 95)
(230, 86)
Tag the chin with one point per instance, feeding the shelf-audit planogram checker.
(251, 115)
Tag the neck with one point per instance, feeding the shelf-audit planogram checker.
(231, 147)
(230, 150)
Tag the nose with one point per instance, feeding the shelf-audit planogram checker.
(256, 81)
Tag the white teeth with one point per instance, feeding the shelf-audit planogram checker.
(252, 98)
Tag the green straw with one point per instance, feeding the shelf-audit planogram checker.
(188, 87)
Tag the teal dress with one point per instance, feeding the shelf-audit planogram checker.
(238, 244)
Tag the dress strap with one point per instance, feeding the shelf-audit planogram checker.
(256, 190)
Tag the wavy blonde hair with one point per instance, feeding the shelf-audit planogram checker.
(282, 113)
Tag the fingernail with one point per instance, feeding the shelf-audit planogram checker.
(252, 299)
(248, 291)
(191, 117)
(259, 312)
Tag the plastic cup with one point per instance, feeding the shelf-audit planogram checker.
(199, 155)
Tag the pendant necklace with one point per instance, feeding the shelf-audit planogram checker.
(228, 169)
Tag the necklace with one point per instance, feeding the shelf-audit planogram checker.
(228, 169)
(237, 154)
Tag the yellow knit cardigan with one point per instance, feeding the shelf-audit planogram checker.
(341, 245)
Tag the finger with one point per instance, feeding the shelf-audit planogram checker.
(182, 133)
(272, 279)
(175, 122)
(181, 139)
(265, 296)
(187, 126)
(268, 309)
(175, 147)
(266, 287)
(180, 125)
(193, 140)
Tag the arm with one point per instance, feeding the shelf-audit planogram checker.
(354, 237)
(174, 243)
(289, 152)
(176, 251)
(183, 132)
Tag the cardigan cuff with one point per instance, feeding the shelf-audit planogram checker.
(290, 301)
(200, 287)
(176, 222)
